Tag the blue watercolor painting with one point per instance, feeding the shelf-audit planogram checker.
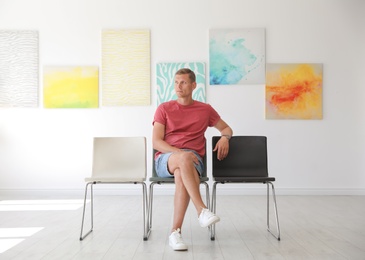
(237, 56)
(165, 73)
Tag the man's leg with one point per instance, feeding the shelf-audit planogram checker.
(181, 202)
(187, 187)
(182, 164)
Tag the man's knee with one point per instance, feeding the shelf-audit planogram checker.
(187, 157)
(181, 158)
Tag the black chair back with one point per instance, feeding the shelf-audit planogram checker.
(247, 157)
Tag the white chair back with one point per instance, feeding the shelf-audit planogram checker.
(119, 158)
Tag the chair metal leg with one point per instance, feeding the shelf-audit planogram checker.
(150, 206)
(213, 209)
(146, 230)
(91, 212)
(275, 211)
(214, 202)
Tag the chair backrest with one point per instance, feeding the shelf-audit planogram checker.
(154, 173)
(119, 157)
(247, 157)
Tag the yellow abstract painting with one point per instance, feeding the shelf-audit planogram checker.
(294, 91)
(71, 87)
(126, 67)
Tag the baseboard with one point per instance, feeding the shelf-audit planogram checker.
(169, 190)
(324, 192)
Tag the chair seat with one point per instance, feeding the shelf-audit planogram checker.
(113, 179)
(243, 179)
(171, 180)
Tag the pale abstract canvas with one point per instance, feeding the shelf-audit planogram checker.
(165, 74)
(71, 87)
(294, 91)
(19, 68)
(237, 56)
(126, 67)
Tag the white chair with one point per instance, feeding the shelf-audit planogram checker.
(117, 160)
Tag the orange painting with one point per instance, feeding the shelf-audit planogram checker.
(294, 91)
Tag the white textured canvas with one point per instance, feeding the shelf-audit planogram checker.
(19, 68)
(126, 67)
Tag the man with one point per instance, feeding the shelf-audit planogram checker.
(178, 136)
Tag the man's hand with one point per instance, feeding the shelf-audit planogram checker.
(222, 148)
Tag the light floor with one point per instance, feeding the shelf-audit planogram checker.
(312, 227)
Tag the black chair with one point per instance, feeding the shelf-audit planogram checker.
(155, 179)
(245, 163)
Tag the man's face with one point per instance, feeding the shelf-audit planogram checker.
(183, 85)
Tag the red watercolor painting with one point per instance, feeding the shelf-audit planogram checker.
(294, 91)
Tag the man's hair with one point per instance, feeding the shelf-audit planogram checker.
(187, 71)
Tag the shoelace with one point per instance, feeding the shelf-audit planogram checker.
(207, 213)
(178, 236)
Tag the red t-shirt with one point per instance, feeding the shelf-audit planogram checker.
(185, 125)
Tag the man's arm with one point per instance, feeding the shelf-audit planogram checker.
(158, 139)
(222, 146)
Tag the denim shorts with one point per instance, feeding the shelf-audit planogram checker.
(162, 169)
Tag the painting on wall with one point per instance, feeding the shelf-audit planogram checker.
(237, 56)
(294, 91)
(126, 67)
(71, 87)
(165, 74)
(19, 68)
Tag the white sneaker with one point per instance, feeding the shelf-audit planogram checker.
(207, 218)
(176, 242)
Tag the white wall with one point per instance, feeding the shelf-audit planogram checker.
(50, 149)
